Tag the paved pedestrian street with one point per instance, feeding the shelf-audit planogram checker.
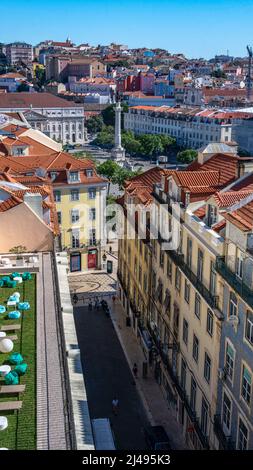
(108, 376)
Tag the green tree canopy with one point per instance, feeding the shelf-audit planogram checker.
(187, 156)
(94, 124)
(108, 114)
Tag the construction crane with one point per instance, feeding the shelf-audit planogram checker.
(249, 78)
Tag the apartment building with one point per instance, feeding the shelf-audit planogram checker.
(61, 120)
(181, 310)
(192, 127)
(17, 52)
(60, 67)
(79, 193)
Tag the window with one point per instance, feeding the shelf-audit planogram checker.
(229, 361)
(226, 415)
(92, 236)
(73, 176)
(197, 308)
(89, 173)
(53, 175)
(195, 349)
(212, 279)
(185, 331)
(207, 368)
(212, 215)
(246, 384)
(75, 239)
(92, 193)
(239, 264)
(242, 443)
(193, 394)
(74, 195)
(57, 196)
(232, 304)
(187, 291)
(140, 275)
(189, 252)
(183, 373)
(249, 327)
(169, 268)
(204, 416)
(161, 258)
(74, 216)
(92, 213)
(178, 279)
(209, 322)
(59, 217)
(145, 283)
(200, 265)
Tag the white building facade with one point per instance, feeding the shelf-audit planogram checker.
(190, 127)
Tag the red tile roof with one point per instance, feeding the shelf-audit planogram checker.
(242, 218)
(229, 198)
(25, 100)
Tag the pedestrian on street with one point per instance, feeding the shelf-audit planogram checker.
(115, 404)
(135, 369)
(96, 303)
(90, 305)
(110, 249)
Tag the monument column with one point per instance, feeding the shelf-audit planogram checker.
(118, 152)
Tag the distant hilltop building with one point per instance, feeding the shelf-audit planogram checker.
(17, 52)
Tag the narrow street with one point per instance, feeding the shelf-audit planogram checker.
(107, 376)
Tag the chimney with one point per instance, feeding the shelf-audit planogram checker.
(34, 201)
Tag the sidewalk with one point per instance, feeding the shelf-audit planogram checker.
(155, 403)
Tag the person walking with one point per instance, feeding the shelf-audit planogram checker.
(90, 305)
(135, 369)
(115, 404)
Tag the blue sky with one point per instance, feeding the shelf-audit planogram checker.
(198, 28)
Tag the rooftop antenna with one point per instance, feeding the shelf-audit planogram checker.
(249, 78)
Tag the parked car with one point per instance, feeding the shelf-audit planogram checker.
(157, 438)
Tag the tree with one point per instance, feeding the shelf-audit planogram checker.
(108, 170)
(151, 145)
(94, 124)
(105, 138)
(121, 175)
(23, 87)
(108, 114)
(187, 156)
(218, 74)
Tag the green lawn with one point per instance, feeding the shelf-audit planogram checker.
(21, 431)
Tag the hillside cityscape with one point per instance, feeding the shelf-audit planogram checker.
(126, 248)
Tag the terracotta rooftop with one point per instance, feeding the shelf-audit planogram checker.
(25, 100)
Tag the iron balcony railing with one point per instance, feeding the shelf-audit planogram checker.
(178, 259)
(181, 392)
(226, 442)
(234, 281)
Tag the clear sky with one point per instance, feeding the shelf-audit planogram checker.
(198, 28)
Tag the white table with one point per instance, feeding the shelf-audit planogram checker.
(4, 370)
(18, 279)
(3, 423)
(11, 303)
(2, 334)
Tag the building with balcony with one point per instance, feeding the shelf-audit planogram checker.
(180, 296)
(192, 127)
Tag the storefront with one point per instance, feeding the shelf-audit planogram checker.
(75, 262)
(92, 259)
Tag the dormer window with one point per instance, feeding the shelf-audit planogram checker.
(89, 173)
(212, 215)
(74, 176)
